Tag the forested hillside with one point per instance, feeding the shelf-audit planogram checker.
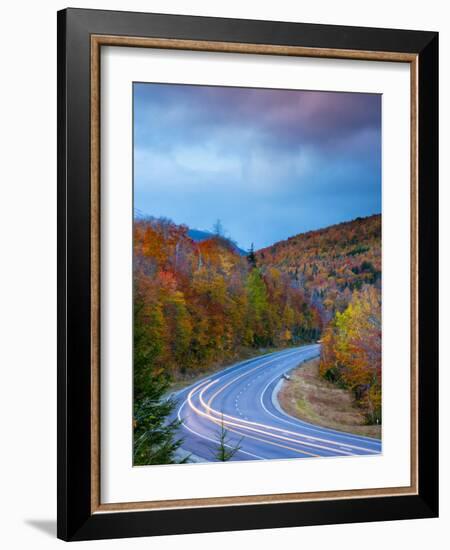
(202, 302)
(329, 264)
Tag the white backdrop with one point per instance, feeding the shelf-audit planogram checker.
(28, 277)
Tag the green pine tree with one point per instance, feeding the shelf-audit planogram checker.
(251, 258)
(225, 451)
(154, 436)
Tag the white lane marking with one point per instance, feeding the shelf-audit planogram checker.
(250, 362)
(237, 367)
(249, 425)
(315, 428)
(242, 364)
(216, 421)
(272, 443)
(208, 438)
(217, 379)
(234, 368)
(334, 444)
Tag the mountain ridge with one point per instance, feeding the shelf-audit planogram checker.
(200, 235)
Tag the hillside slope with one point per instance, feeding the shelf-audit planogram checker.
(202, 303)
(330, 263)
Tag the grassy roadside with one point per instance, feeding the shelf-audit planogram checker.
(309, 397)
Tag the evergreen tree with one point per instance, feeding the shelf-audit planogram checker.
(257, 293)
(225, 451)
(258, 301)
(154, 436)
(251, 258)
(218, 229)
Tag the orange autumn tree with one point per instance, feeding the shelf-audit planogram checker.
(351, 350)
(210, 301)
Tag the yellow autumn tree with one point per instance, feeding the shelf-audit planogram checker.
(351, 350)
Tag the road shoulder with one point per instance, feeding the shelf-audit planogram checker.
(310, 398)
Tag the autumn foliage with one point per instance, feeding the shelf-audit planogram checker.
(202, 302)
(351, 350)
(329, 264)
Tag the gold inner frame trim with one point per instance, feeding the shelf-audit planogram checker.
(97, 41)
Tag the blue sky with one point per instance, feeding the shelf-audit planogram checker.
(268, 163)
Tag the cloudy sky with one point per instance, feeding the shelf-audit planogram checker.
(268, 163)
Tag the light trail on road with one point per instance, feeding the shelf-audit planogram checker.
(262, 430)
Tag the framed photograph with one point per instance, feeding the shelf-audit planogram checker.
(247, 252)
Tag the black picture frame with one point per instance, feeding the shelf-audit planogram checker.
(75, 518)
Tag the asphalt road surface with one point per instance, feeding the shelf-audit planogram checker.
(242, 398)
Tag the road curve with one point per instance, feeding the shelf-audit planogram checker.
(242, 397)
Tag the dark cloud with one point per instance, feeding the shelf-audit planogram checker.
(282, 161)
(289, 117)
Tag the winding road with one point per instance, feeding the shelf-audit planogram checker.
(243, 397)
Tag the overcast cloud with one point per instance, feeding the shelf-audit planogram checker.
(268, 163)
